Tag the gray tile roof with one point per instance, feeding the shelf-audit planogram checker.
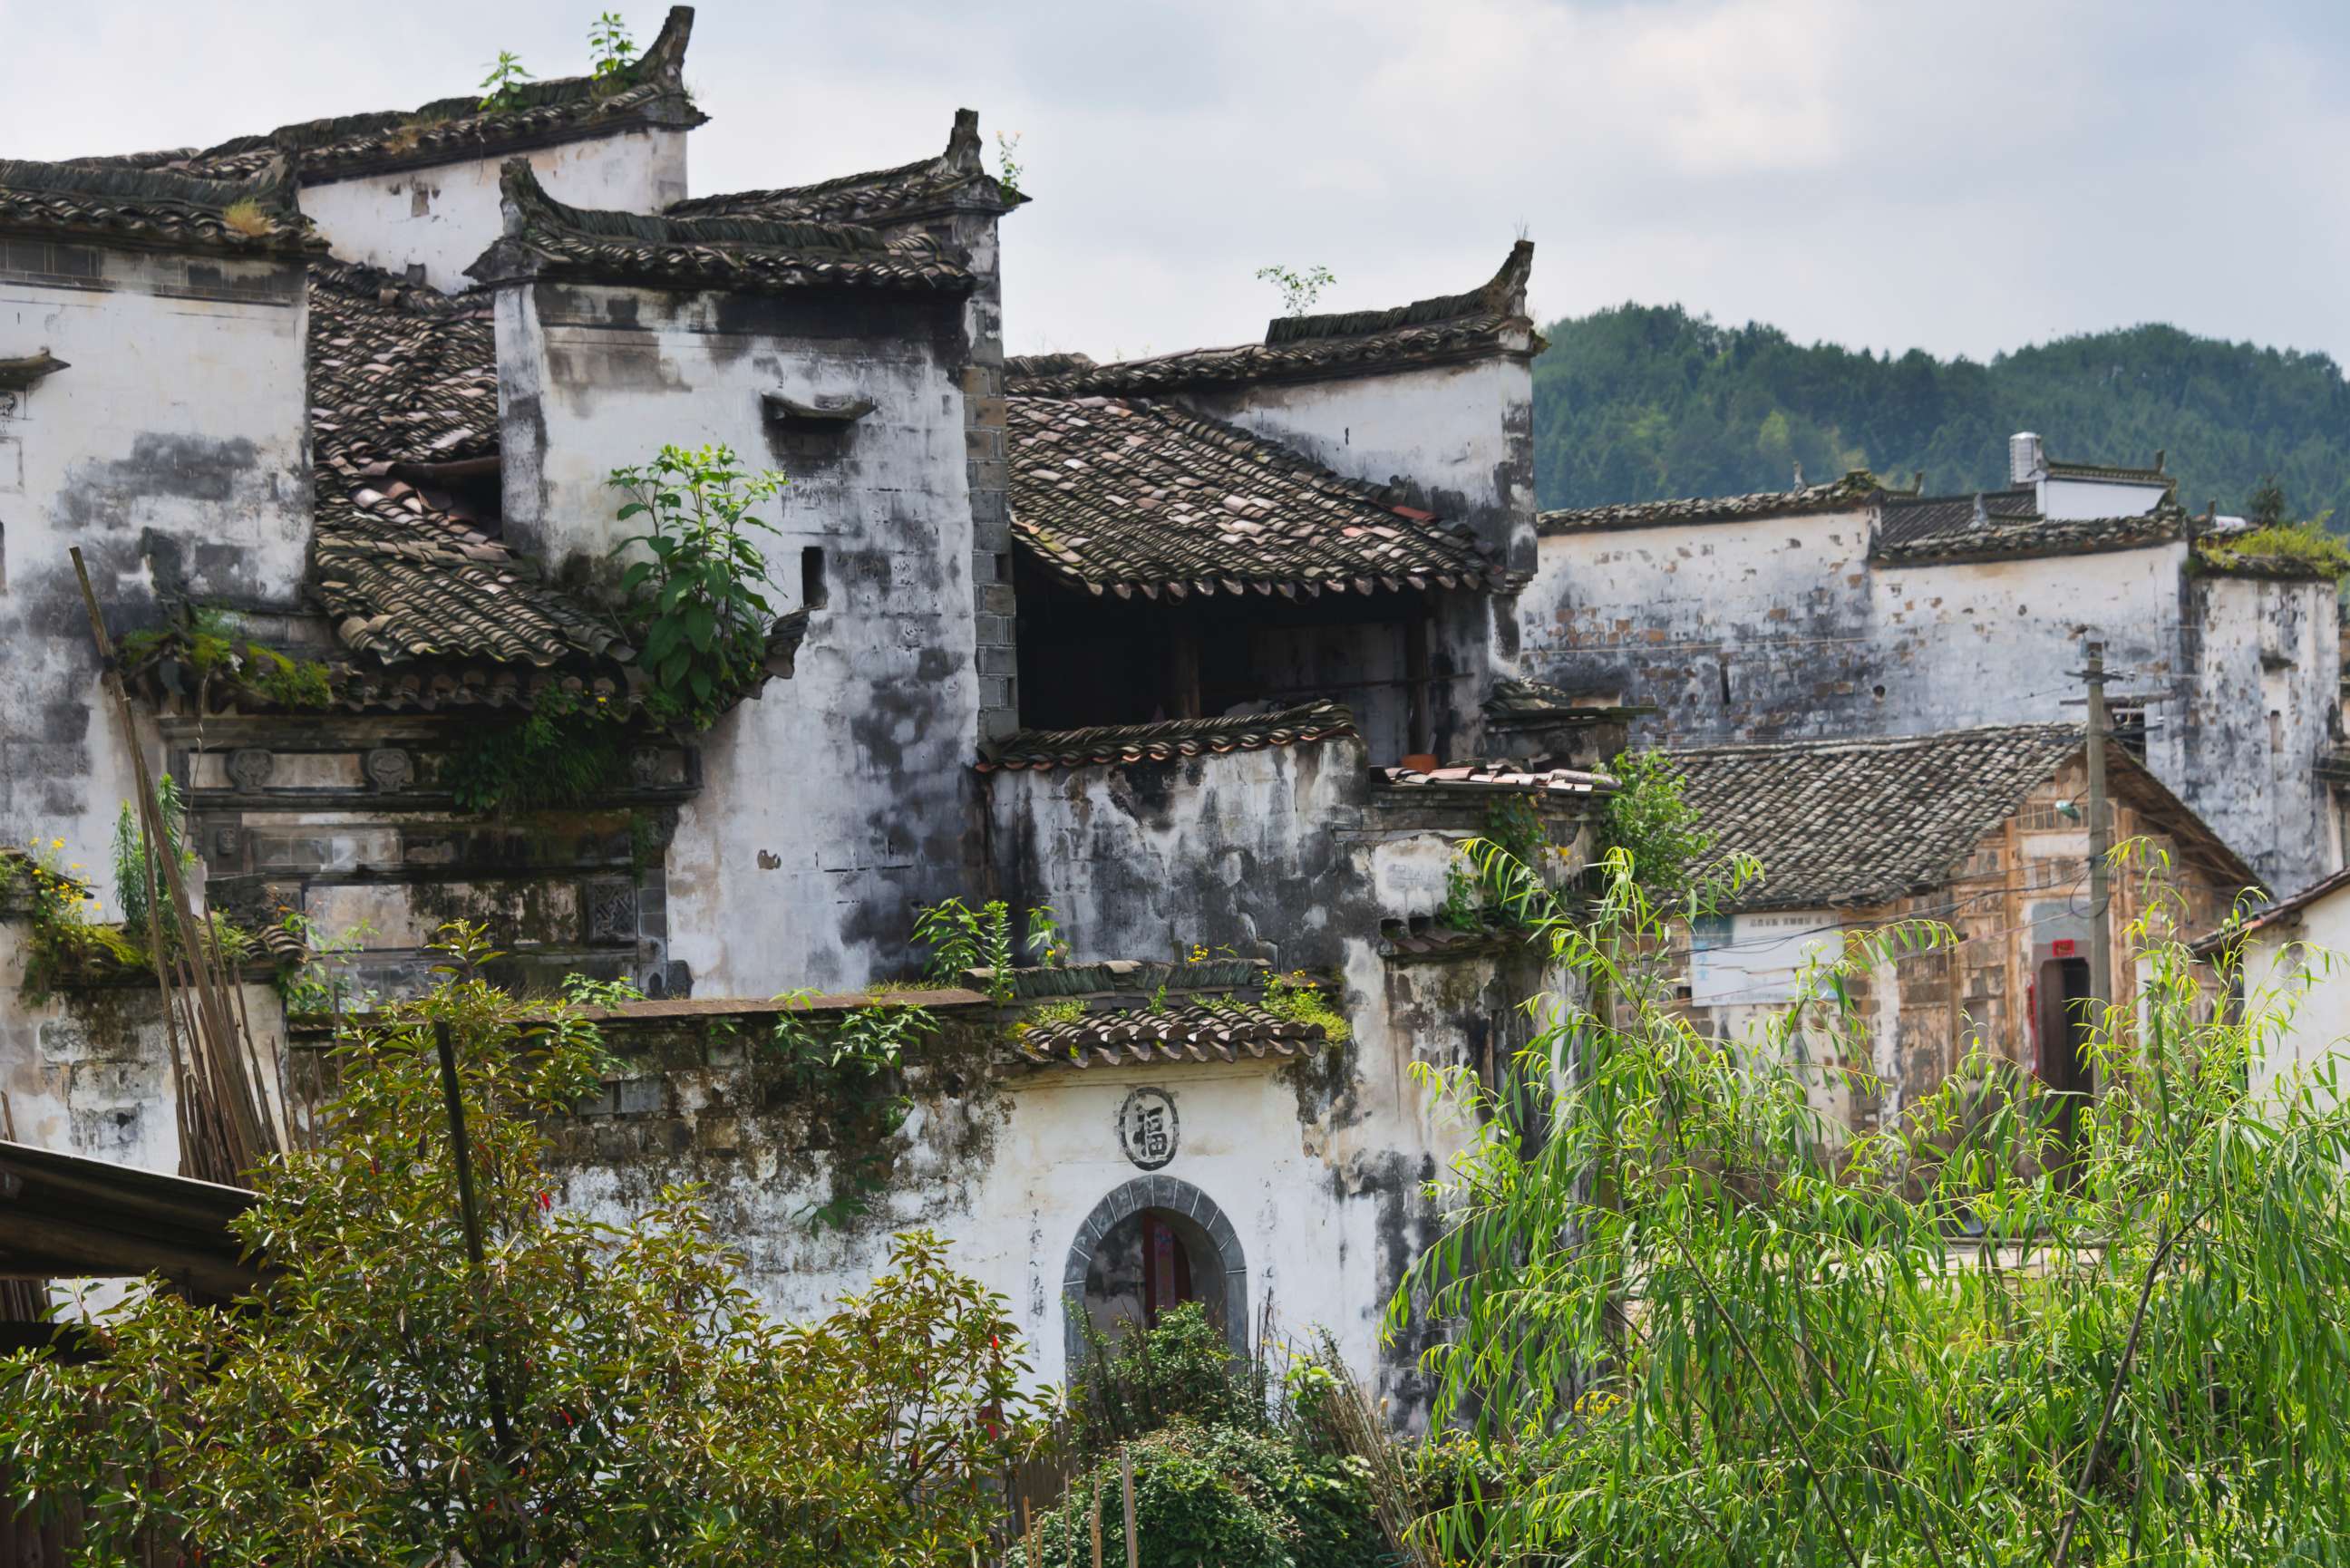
(403, 375)
(1189, 1033)
(651, 90)
(955, 177)
(2008, 526)
(1167, 740)
(1854, 489)
(733, 254)
(1867, 822)
(1484, 320)
(1126, 494)
(256, 216)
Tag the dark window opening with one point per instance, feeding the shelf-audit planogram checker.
(812, 587)
(1147, 1265)
(2127, 722)
(1087, 659)
(1721, 672)
(2066, 1019)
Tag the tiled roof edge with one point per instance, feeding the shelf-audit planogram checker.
(156, 207)
(1853, 489)
(2022, 539)
(952, 178)
(1168, 741)
(1504, 294)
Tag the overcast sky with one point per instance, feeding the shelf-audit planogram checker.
(1964, 177)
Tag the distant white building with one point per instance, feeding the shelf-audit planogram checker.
(2296, 962)
(1845, 610)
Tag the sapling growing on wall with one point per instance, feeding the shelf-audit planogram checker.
(1299, 290)
(502, 89)
(700, 595)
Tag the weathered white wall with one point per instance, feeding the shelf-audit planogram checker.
(2061, 497)
(2301, 972)
(840, 798)
(1781, 629)
(1460, 435)
(2259, 711)
(1318, 1166)
(441, 218)
(89, 1071)
(175, 452)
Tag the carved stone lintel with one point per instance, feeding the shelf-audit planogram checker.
(391, 768)
(249, 767)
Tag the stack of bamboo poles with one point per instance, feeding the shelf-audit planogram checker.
(229, 1121)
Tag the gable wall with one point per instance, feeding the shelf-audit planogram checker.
(840, 797)
(1813, 641)
(443, 217)
(173, 451)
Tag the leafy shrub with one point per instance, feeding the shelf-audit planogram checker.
(589, 1394)
(1296, 997)
(566, 753)
(1236, 1497)
(137, 868)
(700, 600)
(1650, 819)
(2308, 547)
(961, 939)
(1180, 1367)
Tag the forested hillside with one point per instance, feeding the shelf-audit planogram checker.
(1643, 401)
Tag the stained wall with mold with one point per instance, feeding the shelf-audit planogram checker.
(838, 800)
(173, 451)
(1783, 628)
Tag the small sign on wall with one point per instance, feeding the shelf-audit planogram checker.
(1146, 1128)
(1759, 959)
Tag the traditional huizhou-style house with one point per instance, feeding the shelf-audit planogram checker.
(1984, 831)
(1848, 609)
(1208, 652)
(1342, 511)
(2293, 967)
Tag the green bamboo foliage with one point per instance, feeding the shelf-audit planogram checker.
(1680, 1317)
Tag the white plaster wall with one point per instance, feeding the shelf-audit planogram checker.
(2096, 498)
(840, 798)
(445, 216)
(2259, 711)
(2300, 974)
(175, 452)
(1782, 629)
(89, 1071)
(1322, 1190)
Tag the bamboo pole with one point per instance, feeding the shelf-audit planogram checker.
(1126, 1485)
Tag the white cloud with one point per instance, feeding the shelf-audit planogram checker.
(1966, 178)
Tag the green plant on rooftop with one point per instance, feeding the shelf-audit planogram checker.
(591, 1393)
(1651, 821)
(1296, 997)
(1299, 290)
(502, 90)
(204, 647)
(2309, 548)
(585, 991)
(1688, 1315)
(961, 939)
(1008, 167)
(698, 598)
(611, 49)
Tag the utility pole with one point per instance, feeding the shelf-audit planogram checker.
(2101, 926)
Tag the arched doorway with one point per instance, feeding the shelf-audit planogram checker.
(1152, 1243)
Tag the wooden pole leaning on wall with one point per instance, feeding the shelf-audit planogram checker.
(1126, 1485)
(240, 1129)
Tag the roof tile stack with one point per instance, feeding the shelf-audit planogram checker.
(738, 255)
(1120, 494)
(1111, 744)
(401, 375)
(1854, 489)
(1455, 325)
(254, 216)
(1188, 1034)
